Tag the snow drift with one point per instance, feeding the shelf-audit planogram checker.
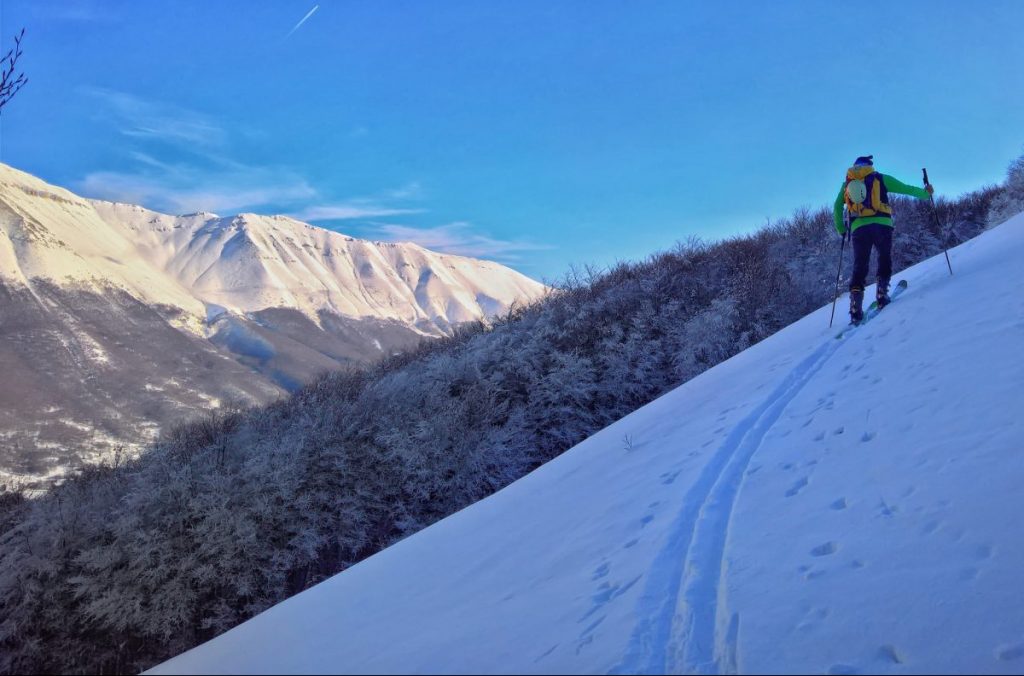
(811, 505)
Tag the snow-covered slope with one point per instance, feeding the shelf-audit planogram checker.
(812, 505)
(116, 321)
(50, 233)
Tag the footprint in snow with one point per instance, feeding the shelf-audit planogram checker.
(839, 504)
(867, 436)
(606, 593)
(825, 549)
(546, 653)
(601, 571)
(839, 430)
(797, 487)
(592, 627)
(888, 654)
(1007, 653)
(584, 643)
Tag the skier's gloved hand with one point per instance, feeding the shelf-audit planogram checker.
(929, 188)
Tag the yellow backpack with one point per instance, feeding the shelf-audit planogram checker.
(865, 193)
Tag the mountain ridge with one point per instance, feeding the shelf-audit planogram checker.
(281, 299)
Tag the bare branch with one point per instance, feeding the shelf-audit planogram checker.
(9, 83)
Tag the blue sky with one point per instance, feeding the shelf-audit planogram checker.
(540, 134)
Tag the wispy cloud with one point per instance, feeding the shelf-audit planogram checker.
(146, 119)
(348, 211)
(457, 238)
(176, 191)
(304, 19)
(202, 176)
(379, 205)
(86, 11)
(410, 191)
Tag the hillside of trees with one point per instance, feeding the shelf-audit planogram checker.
(125, 565)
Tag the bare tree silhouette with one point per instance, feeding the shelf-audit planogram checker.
(9, 83)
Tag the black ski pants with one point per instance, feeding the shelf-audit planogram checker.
(866, 237)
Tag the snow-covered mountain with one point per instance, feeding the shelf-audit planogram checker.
(812, 505)
(116, 320)
(248, 263)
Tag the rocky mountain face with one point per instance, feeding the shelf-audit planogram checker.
(117, 321)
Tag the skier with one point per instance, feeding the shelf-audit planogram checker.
(865, 194)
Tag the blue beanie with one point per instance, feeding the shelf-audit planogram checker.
(865, 160)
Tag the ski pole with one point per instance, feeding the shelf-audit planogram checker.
(835, 296)
(935, 215)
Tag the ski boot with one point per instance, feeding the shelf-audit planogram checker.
(882, 294)
(856, 306)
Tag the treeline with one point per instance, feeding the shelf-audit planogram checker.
(125, 565)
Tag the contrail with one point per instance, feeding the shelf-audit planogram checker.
(316, 7)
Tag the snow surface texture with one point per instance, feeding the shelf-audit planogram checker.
(812, 505)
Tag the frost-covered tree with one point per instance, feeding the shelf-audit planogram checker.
(1010, 201)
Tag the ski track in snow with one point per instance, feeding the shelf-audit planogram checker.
(685, 624)
(806, 532)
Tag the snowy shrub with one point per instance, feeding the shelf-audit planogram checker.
(123, 566)
(1010, 200)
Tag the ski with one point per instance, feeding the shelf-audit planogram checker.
(873, 309)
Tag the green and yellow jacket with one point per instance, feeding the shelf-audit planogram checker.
(891, 185)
